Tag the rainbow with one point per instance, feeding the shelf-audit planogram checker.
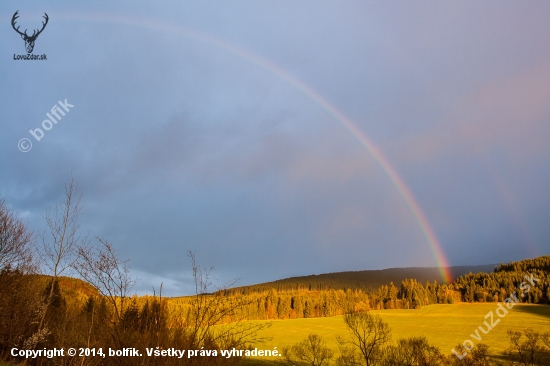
(346, 122)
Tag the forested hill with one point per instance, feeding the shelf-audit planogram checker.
(360, 280)
(539, 263)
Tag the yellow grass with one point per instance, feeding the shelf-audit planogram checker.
(444, 326)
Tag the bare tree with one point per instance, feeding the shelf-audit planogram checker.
(61, 237)
(530, 351)
(311, 351)
(479, 356)
(19, 296)
(349, 356)
(415, 351)
(101, 267)
(210, 308)
(369, 333)
(15, 241)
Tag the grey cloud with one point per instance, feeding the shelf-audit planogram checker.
(180, 143)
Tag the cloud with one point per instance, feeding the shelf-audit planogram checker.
(507, 116)
(181, 145)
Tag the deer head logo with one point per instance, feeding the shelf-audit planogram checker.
(29, 40)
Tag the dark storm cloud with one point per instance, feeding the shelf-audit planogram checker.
(180, 144)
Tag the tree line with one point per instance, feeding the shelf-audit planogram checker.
(505, 281)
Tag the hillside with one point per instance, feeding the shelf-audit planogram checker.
(70, 287)
(360, 280)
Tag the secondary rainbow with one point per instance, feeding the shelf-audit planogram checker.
(376, 153)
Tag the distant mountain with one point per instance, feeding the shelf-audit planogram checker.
(361, 280)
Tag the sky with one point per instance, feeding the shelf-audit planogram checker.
(283, 138)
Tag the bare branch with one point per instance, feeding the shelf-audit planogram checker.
(101, 267)
(210, 308)
(61, 234)
(15, 241)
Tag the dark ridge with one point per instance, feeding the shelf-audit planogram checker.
(367, 280)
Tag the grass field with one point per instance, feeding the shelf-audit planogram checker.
(444, 326)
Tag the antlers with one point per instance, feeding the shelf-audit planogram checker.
(15, 16)
(35, 34)
(43, 25)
